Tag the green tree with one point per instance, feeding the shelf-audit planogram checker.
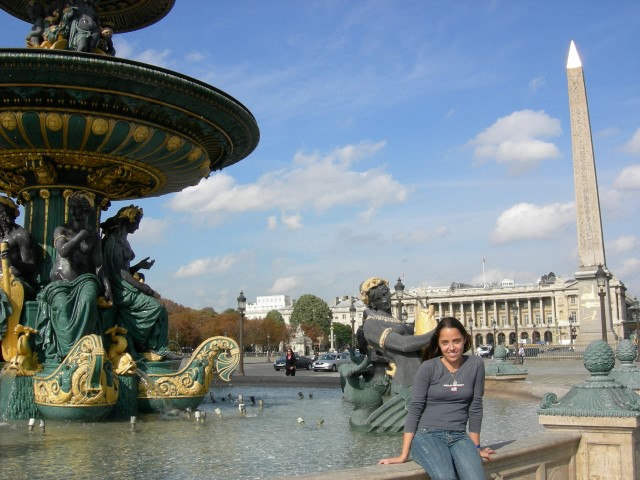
(275, 316)
(342, 334)
(309, 311)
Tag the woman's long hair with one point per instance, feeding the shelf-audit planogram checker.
(433, 349)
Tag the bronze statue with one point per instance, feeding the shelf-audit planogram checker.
(138, 310)
(389, 342)
(20, 252)
(68, 306)
(85, 32)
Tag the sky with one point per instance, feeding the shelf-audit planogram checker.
(406, 139)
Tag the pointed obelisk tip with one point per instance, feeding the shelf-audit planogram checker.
(574, 60)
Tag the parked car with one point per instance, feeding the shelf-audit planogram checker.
(484, 350)
(330, 361)
(301, 362)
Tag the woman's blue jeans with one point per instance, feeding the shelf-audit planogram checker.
(447, 455)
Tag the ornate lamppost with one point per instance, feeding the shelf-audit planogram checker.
(515, 324)
(494, 324)
(572, 328)
(601, 280)
(399, 288)
(242, 305)
(268, 347)
(634, 310)
(471, 334)
(331, 337)
(352, 314)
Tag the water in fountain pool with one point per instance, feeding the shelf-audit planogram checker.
(265, 442)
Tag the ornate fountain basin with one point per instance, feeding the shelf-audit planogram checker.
(116, 127)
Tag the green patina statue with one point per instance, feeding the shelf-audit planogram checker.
(393, 355)
(68, 306)
(136, 306)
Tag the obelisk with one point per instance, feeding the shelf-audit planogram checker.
(588, 219)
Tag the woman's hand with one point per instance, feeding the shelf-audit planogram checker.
(486, 452)
(392, 460)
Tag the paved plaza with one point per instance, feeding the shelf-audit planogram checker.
(544, 375)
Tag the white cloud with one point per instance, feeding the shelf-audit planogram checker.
(272, 222)
(292, 222)
(125, 49)
(421, 236)
(536, 83)
(203, 266)
(525, 221)
(285, 284)
(633, 145)
(315, 181)
(628, 178)
(516, 140)
(195, 57)
(154, 57)
(629, 268)
(152, 231)
(623, 244)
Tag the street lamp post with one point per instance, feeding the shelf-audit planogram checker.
(352, 314)
(634, 309)
(515, 324)
(399, 288)
(331, 337)
(572, 327)
(494, 324)
(471, 333)
(268, 347)
(242, 305)
(601, 280)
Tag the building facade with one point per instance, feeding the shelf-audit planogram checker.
(264, 304)
(547, 311)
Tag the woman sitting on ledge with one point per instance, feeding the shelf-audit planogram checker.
(447, 394)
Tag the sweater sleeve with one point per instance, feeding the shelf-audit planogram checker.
(475, 408)
(419, 393)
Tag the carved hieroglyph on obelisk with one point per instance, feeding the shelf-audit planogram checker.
(588, 219)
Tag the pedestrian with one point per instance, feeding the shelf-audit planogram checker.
(290, 363)
(521, 354)
(447, 395)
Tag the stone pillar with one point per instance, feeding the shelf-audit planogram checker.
(605, 412)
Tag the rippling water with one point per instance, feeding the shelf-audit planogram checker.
(267, 442)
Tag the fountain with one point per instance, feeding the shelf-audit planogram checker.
(80, 128)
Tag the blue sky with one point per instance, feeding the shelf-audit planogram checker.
(398, 138)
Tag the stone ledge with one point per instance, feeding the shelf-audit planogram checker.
(516, 460)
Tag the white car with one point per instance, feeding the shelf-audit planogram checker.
(330, 361)
(484, 350)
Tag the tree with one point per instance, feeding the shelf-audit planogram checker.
(275, 315)
(311, 310)
(342, 335)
